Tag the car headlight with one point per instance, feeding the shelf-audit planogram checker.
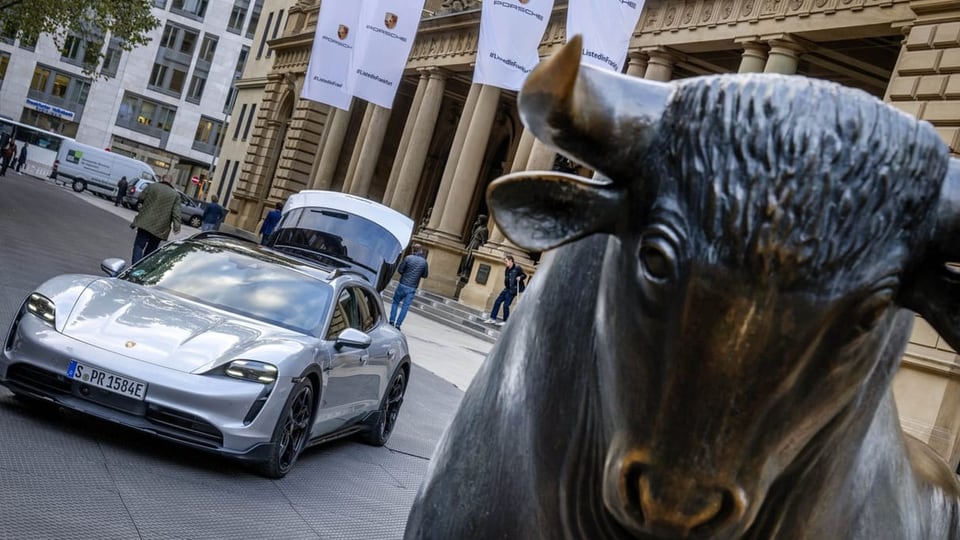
(252, 370)
(43, 307)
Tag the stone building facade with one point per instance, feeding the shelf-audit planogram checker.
(432, 155)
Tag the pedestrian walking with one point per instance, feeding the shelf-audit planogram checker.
(122, 186)
(23, 157)
(412, 269)
(9, 151)
(513, 284)
(213, 215)
(270, 222)
(160, 212)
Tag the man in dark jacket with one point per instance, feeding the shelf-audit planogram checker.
(122, 186)
(412, 268)
(512, 282)
(213, 215)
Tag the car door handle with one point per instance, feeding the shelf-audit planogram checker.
(364, 358)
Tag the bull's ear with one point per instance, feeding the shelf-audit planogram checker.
(540, 210)
(934, 290)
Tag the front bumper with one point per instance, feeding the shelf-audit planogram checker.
(212, 413)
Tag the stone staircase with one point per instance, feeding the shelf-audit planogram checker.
(447, 312)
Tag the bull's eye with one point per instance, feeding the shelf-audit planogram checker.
(657, 258)
(870, 312)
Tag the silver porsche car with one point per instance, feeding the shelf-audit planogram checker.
(254, 352)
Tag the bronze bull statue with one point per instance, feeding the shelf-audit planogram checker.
(709, 354)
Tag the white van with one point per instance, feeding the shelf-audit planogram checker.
(89, 167)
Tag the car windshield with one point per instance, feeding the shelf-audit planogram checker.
(347, 237)
(237, 279)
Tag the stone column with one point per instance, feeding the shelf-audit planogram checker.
(456, 148)
(445, 244)
(471, 159)
(659, 64)
(520, 160)
(425, 123)
(370, 151)
(334, 137)
(754, 57)
(405, 137)
(784, 56)
(541, 157)
(636, 64)
(357, 147)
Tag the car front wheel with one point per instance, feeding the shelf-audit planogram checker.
(79, 186)
(292, 432)
(380, 431)
(195, 222)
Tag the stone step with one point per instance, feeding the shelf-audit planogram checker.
(447, 312)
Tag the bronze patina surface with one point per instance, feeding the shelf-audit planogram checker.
(708, 352)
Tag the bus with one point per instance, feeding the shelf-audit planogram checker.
(42, 146)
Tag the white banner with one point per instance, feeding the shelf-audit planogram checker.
(606, 27)
(387, 31)
(510, 34)
(333, 46)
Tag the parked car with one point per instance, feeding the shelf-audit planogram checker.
(222, 344)
(191, 211)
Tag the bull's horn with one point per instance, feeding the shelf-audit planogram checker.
(948, 214)
(603, 119)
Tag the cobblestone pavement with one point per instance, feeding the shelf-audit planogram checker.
(64, 475)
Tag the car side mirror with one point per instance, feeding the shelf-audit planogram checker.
(112, 267)
(351, 337)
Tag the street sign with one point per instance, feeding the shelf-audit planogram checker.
(195, 180)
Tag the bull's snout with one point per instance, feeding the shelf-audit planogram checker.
(671, 504)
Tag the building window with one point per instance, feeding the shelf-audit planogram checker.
(59, 89)
(239, 121)
(223, 179)
(8, 33)
(208, 136)
(145, 116)
(162, 4)
(197, 83)
(239, 13)
(231, 98)
(195, 9)
(4, 62)
(276, 30)
(80, 52)
(246, 128)
(263, 37)
(233, 176)
(111, 60)
(241, 62)
(28, 44)
(208, 48)
(169, 73)
(254, 19)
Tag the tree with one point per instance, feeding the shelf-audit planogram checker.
(92, 21)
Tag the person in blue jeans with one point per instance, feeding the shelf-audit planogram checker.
(512, 284)
(213, 215)
(412, 269)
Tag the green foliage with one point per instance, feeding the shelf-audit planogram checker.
(93, 21)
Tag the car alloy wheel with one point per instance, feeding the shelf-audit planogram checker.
(79, 186)
(380, 432)
(195, 222)
(292, 432)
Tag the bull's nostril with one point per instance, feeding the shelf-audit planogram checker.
(731, 508)
(631, 488)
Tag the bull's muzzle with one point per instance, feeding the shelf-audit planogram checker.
(673, 504)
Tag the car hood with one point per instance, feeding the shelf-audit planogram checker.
(162, 329)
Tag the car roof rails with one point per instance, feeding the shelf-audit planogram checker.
(220, 234)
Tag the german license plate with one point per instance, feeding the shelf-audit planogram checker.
(106, 380)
